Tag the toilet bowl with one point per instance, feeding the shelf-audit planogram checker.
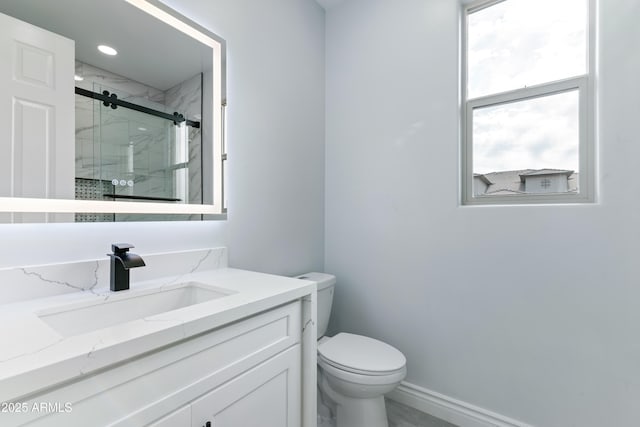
(354, 371)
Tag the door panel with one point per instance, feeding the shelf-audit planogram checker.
(266, 396)
(37, 136)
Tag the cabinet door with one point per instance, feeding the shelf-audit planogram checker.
(265, 396)
(181, 417)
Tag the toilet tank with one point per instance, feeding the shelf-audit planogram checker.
(326, 283)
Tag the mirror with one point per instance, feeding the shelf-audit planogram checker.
(99, 135)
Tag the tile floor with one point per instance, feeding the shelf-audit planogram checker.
(403, 416)
(399, 416)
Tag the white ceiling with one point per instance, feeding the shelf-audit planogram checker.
(149, 51)
(328, 4)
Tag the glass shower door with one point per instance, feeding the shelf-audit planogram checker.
(140, 157)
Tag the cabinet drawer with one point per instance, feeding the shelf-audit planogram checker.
(149, 387)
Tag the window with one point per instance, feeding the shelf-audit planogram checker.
(528, 102)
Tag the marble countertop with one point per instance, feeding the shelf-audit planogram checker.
(34, 356)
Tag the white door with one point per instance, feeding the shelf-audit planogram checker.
(265, 396)
(37, 115)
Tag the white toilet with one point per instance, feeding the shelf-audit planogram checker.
(354, 372)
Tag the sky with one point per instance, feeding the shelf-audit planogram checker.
(519, 43)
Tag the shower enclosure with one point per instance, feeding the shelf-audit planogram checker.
(132, 148)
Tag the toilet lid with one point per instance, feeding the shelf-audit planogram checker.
(361, 354)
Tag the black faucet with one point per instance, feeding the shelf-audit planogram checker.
(121, 262)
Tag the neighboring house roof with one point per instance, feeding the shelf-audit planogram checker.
(543, 172)
(482, 178)
(512, 182)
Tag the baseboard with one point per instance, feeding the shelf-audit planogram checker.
(449, 409)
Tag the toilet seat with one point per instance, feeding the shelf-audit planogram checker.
(362, 379)
(361, 355)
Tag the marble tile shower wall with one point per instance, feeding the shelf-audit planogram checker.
(29, 282)
(85, 127)
(187, 99)
(123, 143)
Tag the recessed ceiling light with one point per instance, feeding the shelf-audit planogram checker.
(142, 129)
(107, 50)
(78, 78)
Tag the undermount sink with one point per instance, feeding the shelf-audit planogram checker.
(121, 307)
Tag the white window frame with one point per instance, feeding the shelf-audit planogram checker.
(585, 86)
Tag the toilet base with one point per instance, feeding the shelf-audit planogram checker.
(353, 411)
(362, 413)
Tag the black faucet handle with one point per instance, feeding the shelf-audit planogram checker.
(120, 248)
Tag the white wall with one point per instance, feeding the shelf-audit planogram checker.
(276, 152)
(554, 345)
(275, 53)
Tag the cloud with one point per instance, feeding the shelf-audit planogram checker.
(532, 134)
(519, 43)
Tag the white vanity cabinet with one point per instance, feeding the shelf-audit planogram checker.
(246, 373)
(178, 418)
(267, 395)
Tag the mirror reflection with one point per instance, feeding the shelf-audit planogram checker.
(138, 86)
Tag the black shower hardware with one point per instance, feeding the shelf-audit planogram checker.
(111, 100)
